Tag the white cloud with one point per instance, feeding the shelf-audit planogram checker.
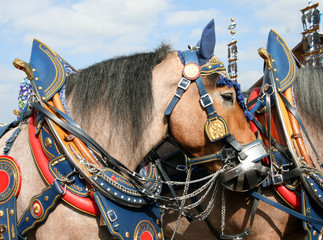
(187, 18)
(83, 22)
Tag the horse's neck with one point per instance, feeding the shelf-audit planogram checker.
(164, 81)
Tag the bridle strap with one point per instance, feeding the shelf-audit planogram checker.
(181, 88)
(205, 98)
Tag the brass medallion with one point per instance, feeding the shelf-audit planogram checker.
(191, 71)
(216, 128)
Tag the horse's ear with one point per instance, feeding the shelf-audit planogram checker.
(207, 43)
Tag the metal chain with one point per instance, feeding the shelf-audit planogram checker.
(201, 199)
(172, 183)
(223, 212)
(181, 209)
(210, 205)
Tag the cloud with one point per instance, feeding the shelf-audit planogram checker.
(187, 18)
(83, 22)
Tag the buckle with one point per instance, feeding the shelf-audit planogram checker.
(112, 216)
(206, 100)
(181, 168)
(184, 83)
(277, 179)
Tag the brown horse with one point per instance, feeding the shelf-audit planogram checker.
(121, 104)
(269, 222)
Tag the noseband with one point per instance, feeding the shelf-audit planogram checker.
(240, 162)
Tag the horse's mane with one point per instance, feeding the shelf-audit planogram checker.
(121, 85)
(308, 89)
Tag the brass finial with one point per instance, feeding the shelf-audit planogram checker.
(22, 65)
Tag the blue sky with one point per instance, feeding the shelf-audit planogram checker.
(88, 31)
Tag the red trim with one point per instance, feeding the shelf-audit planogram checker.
(289, 196)
(18, 167)
(83, 204)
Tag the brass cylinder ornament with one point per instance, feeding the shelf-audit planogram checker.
(232, 52)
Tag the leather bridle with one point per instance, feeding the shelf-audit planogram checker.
(247, 155)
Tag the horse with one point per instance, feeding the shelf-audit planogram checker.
(268, 222)
(121, 102)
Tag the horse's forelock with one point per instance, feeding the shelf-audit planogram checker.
(123, 86)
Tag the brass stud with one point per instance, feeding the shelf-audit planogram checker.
(46, 198)
(1, 213)
(26, 219)
(48, 142)
(36, 208)
(127, 235)
(159, 236)
(275, 70)
(277, 79)
(12, 212)
(34, 69)
(36, 78)
(40, 88)
(314, 233)
(43, 98)
(55, 163)
(157, 221)
(273, 60)
(210, 67)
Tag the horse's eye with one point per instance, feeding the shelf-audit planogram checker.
(228, 97)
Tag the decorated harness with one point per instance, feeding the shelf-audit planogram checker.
(79, 171)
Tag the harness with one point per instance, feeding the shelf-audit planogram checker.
(244, 165)
(130, 202)
(289, 160)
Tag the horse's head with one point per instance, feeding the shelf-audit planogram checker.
(203, 128)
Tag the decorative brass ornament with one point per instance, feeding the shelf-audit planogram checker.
(1, 213)
(21, 65)
(16, 112)
(48, 142)
(12, 212)
(36, 209)
(13, 234)
(216, 128)
(3, 230)
(127, 235)
(191, 71)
